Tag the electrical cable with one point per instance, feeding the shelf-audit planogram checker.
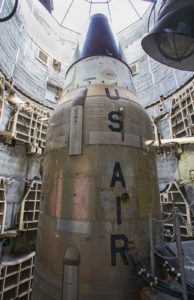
(90, 9)
(4, 19)
(67, 12)
(109, 12)
(153, 8)
(135, 9)
(162, 5)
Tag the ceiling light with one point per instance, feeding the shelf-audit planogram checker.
(171, 41)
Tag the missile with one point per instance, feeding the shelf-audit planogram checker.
(99, 180)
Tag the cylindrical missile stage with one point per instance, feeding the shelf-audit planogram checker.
(99, 179)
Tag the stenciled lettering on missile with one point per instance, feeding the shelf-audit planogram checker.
(112, 97)
(118, 199)
(117, 175)
(122, 250)
(115, 117)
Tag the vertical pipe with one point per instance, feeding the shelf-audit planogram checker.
(151, 244)
(180, 252)
(71, 274)
(1, 248)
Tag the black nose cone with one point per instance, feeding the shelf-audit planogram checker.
(99, 40)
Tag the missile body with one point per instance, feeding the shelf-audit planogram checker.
(99, 182)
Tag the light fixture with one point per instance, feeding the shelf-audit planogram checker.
(171, 41)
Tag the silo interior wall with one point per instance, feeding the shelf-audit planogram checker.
(33, 29)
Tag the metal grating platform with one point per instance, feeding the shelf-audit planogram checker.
(29, 125)
(170, 198)
(22, 120)
(27, 216)
(16, 277)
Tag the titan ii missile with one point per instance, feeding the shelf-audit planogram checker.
(99, 180)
